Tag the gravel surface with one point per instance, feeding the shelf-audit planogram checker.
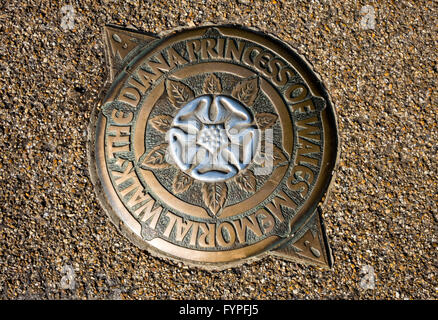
(381, 218)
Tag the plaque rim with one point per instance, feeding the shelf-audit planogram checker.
(328, 175)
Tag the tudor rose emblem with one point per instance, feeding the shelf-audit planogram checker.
(213, 145)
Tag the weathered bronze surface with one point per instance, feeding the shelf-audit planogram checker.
(214, 146)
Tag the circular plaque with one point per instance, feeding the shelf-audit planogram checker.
(213, 145)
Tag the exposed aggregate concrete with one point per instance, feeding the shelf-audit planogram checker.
(56, 241)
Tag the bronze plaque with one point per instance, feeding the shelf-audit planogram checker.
(213, 146)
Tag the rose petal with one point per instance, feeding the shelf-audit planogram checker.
(182, 147)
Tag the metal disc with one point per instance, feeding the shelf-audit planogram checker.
(214, 146)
